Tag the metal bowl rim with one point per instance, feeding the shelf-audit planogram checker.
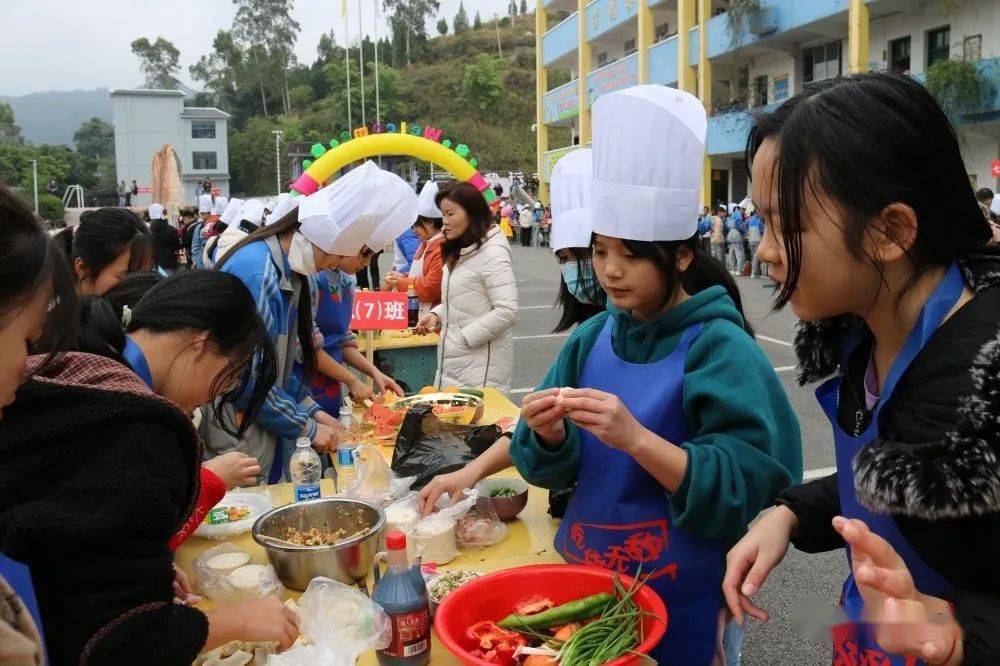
(343, 545)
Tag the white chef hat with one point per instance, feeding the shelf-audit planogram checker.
(397, 210)
(221, 203)
(155, 211)
(341, 217)
(204, 203)
(253, 211)
(426, 206)
(649, 152)
(231, 213)
(284, 205)
(571, 185)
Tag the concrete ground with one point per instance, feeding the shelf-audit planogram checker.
(802, 581)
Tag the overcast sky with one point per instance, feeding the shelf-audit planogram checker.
(68, 44)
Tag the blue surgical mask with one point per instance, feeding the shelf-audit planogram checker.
(580, 280)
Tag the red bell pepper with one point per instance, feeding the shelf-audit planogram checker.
(492, 643)
(536, 603)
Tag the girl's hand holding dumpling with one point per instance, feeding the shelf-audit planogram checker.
(543, 414)
(603, 415)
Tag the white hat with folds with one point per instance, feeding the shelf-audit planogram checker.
(397, 210)
(340, 218)
(231, 213)
(253, 211)
(571, 185)
(426, 205)
(283, 206)
(155, 211)
(204, 203)
(221, 203)
(649, 152)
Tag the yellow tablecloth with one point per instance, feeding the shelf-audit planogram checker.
(529, 536)
(389, 341)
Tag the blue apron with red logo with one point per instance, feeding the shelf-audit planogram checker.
(618, 517)
(333, 317)
(854, 643)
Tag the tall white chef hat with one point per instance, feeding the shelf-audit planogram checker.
(155, 211)
(341, 217)
(397, 210)
(221, 203)
(284, 205)
(571, 184)
(231, 213)
(426, 205)
(204, 203)
(649, 152)
(253, 211)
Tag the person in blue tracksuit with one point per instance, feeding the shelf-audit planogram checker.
(403, 250)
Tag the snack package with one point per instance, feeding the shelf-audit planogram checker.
(375, 483)
(226, 575)
(434, 536)
(480, 527)
(343, 624)
(235, 514)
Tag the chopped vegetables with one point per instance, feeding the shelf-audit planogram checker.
(449, 582)
(536, 603)
(615, 633)
(492, 643)
(504, 492)
(581, 609)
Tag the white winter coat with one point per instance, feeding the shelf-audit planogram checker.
(478, 310)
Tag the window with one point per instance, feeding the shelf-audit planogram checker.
(662, 32)
(938, 47)
(630, 47)
(204, 160)
(760, 90)
(972, 48)
(602, 59)
(821, 62)
(899, 55)
(202, 129)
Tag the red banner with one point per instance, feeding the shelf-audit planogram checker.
(379, 310)
(995, 168)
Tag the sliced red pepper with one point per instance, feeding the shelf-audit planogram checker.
(492, 643)
(536, 603)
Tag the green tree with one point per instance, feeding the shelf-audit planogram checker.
(221, 69)
(301, 96)
(481, 82)
(410, 18)
(267, 32)
(442, 27)
(95, 139)
(477, 23)
(10, 131)
(49, 207)
(524, 7)
(400, 41)
(158, 61)
(512, 8)
(461, 22)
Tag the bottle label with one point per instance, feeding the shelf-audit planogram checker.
(345, 457)
(306, 492)
(414, 303)
(411, 633)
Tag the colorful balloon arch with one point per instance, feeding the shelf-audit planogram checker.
(424, 143)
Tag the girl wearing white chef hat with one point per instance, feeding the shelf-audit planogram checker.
(671, 461)
(329, 227)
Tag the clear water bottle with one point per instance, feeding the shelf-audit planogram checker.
(346, 465)
(305, 469)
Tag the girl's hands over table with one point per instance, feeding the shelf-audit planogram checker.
(544, 415)
(392, 278)
(384, 382)
(751, 560)
(908, 622)
(325, 419)
(429, 323)
(327, 438)
(182, 589)
(603, 415)
(235, 469)
(359, 391)
(453, 484)
(268, 619)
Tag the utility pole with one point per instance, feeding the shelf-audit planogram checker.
(34, 175)
(496, 20)
(277, 158)
(361, 63)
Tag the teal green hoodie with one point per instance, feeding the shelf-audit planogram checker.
(746, 445)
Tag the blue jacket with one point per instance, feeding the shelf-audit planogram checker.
(407, 244)
(198, 246)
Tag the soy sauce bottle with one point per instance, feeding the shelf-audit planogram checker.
(403, 596)
(412, 307)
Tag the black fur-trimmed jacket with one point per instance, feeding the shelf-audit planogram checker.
(936, 464)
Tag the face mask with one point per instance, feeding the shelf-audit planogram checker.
(579, 279)
(300, 255)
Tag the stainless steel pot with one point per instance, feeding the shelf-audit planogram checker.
(348, 562)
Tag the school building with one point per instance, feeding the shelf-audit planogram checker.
(738, 55)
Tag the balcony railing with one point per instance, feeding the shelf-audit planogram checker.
(560, 40)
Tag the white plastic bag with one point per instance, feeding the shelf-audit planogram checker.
(376, 482)
(434, 536)
(341, 621)
(235, 583)
(480, 527)
(234, 514)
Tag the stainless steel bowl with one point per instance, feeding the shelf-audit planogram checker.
(349, 561)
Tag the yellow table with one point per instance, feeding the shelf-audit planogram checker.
(411, 360)
(529, 536)
(386, 340)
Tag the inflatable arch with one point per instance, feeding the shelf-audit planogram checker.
(423, 143)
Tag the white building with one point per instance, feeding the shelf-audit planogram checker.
(145, 120)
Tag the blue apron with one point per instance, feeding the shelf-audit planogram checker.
(618, 517)
(854, 643)
(18, 576)
(137, 360)
(335, 300)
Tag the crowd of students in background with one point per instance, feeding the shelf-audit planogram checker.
(732, 235)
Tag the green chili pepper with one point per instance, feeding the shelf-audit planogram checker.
(574, 611)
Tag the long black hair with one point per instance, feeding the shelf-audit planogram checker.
(304, 323)
(105, 233)
(93, 338)
(867, 141)
(478, 212)
(210, 301)
(572, 310)
(29, 260)
(703, 271)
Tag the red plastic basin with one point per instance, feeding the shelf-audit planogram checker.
(492, 597)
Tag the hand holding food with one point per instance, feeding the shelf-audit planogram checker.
(752, 559)
(429, 323)
(326, 438)
(392, 278)
(235, 469)
(385, 383)
(602, 414)
(268, 619)
(544, 414)
(183, 593)
(359, 390)
(453, 484)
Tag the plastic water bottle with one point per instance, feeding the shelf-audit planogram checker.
(346, 465)
(402, 594)
(305, 469)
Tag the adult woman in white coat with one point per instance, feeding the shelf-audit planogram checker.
(479, 298)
